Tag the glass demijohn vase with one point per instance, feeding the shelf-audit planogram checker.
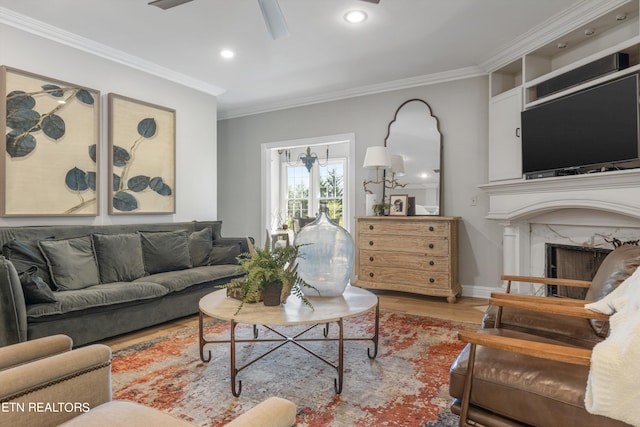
(326, 256)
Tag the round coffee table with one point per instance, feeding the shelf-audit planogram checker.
(354, 302)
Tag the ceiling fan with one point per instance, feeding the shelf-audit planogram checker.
(273, 17)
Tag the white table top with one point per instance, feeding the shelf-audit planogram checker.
(353, 302)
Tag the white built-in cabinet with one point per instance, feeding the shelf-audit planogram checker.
(504, 135)
(513, 86)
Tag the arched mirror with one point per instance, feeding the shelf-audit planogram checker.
(414, 143)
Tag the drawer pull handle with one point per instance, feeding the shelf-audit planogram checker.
(370, 274)
(370, 242)
(431, 228)
(431, 263)
(430, 245)
(431, 280)
(371, 258)
(371, 227)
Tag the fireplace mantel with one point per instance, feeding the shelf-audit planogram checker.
(606, 202)
(615, 192)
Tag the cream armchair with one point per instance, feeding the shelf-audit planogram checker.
(44, 382)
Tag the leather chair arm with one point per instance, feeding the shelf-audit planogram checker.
(560, 353)
(547, 280)
(546, 305)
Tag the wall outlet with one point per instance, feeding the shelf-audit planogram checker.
(474, 201)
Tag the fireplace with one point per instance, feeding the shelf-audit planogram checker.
(583, 210)
(572, 262)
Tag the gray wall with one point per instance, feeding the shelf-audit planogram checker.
(462, 109)
(196, 114)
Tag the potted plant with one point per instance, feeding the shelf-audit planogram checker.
(271, 276)
(380, 208)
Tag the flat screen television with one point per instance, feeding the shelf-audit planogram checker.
(597, 126)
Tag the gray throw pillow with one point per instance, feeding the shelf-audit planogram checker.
(165, 251)
(224, 254)
(35, 290)
(71, 262)
(119, 257)
(26, 254)
(200, 243)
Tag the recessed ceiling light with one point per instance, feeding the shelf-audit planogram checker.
(355, 16)
(227, 53)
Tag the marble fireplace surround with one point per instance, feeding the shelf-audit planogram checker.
(579, 210)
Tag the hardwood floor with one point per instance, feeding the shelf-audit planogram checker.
(466, 309)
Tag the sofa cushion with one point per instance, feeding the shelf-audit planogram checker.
(165, 251)
(24, 254)
(200, 243)
(97, 296)
(615, 269)
(71, 262)
(224, 254)
(176, 281)
(34, 288)
(119, 257)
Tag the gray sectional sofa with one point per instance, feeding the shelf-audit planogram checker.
(91, 282)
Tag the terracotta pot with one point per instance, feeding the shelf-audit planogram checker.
(271, 294)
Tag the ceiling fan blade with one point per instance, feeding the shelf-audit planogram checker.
(274, 19)
(168, 4)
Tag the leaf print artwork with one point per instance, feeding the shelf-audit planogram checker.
(50, 125)
(142, 152)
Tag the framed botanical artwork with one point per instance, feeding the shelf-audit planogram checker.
(142, 157)
(50, 152)
(398, 204)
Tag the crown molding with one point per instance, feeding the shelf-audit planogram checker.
(44, 30)
(575, 16)
(429, 79)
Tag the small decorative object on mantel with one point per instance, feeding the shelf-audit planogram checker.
(326, 255)
(272, 274)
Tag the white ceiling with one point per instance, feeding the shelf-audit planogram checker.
(323, 58)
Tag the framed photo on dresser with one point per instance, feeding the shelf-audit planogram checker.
(399, 204)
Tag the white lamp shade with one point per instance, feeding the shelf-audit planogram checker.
(377, 157)
(397, 164)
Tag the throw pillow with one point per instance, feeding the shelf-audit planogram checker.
(165, 251)
(200, 243)
(26, 254)
(35, 289)
(224, 254)
(71, 262)
(119, 257)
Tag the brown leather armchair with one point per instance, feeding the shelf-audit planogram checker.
(530, 363)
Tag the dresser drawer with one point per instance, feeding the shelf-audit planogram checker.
(402, 276)
(397, 228)
(407, 244)
(419, 261)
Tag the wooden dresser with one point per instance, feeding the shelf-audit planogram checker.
(417, 254)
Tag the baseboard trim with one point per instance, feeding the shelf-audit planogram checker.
(479, 291)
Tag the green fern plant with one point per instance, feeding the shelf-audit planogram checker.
(268, 266)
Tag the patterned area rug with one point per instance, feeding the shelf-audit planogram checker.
(406, 385)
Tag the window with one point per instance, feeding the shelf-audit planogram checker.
(289, 190)
(303, 190)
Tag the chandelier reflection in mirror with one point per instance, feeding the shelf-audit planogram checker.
(308, 158)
